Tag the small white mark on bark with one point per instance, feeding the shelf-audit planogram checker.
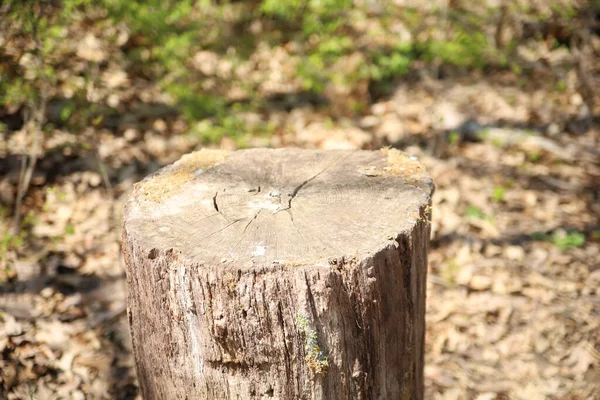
(260, 251)
(198, 172)
(164, 229)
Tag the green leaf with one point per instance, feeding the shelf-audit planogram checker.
(571, 239)
(70, 229)
(67, 111)
(498, 194)
(454, 137)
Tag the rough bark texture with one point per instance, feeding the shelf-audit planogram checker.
(284, 274)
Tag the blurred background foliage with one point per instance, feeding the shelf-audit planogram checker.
(337, 50)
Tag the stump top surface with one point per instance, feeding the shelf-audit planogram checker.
(269, 206)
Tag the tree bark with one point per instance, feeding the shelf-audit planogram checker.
(283, 274)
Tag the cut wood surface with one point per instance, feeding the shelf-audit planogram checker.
(279, 274)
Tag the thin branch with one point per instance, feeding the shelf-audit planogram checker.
(35, 122)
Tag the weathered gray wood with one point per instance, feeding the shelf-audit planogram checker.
(285, 274)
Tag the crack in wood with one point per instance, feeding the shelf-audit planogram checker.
(286, 351)
(215, 205)
(257, 190)
(252, 220)
(306, 182)
(289, 211)
(298, 229)
(220, 230)
(243, 232)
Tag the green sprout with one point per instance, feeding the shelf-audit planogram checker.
(498, 194)
(562, 240)
(568, 240)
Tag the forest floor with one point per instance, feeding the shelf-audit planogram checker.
(513, 307)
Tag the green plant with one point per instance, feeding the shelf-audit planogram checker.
(566, 240)
(70, 229)
(467, 49)
(561, 239)
(315, 358)
(539, 236)
(9, 243)
(562, 10)
(42, 24)
(411, 16)
(396, 63)
(534, 156)
(474, 212)
(312, 72)
(335, 46)
(498, 194)
(454, 137)
(286, 10)
(561, 86)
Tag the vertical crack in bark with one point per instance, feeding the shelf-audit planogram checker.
(280, 320)
(286, 351)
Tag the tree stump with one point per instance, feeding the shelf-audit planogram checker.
(285, 274)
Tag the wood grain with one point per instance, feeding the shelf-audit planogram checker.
(279, 274)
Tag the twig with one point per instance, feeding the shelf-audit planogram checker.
(444, 29)
(36, 121)
(580, 51)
